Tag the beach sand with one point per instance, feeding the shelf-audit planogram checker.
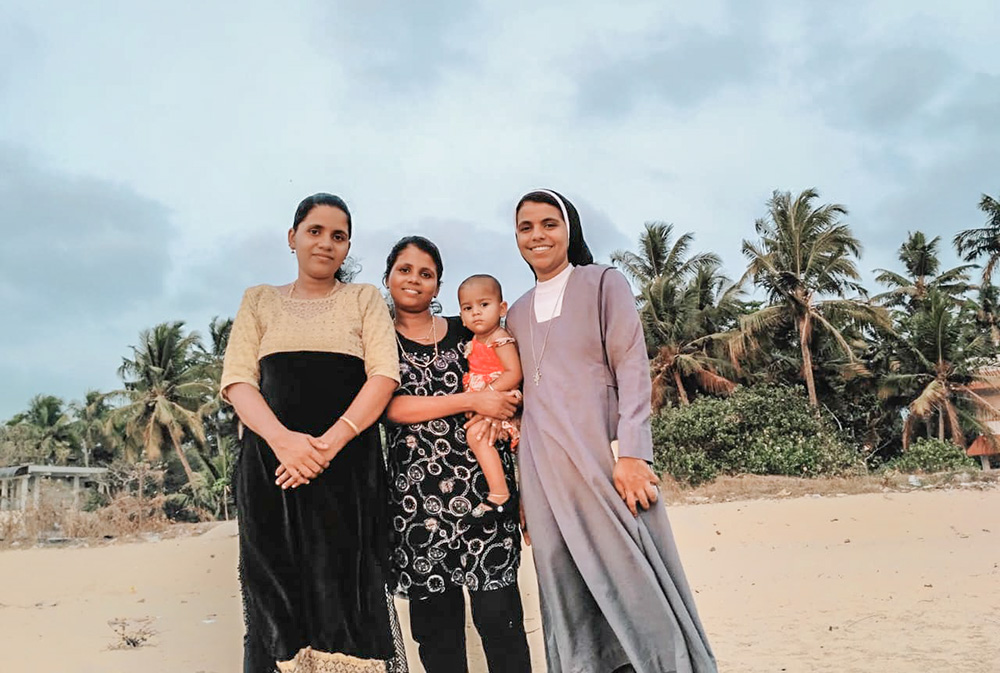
(877, 582)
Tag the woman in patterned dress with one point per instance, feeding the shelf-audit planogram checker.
(436, 480)
(310, 366)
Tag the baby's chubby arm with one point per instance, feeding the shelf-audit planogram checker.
(511, 377)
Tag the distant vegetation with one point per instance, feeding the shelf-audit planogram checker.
(167, 414)
(795, 368)
(823, 375)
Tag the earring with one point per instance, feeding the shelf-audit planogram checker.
(292, 251)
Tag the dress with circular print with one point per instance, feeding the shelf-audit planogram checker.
(435, 481)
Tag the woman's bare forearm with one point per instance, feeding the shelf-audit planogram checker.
(254, 411)
(407, 409)
(366, 408)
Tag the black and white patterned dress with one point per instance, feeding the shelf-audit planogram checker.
(435, 480)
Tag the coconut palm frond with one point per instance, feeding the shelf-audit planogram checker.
(982, 241)
(931, 398)
(951, 415)
(763, 320)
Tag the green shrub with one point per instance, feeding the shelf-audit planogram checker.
(930, 455)
(764, 429)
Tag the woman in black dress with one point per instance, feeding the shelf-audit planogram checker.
(310, 367)
(436, 480)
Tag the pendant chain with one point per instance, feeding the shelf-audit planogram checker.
(433, 335)
(537, 377)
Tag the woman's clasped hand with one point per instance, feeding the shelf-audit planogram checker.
(302, 457)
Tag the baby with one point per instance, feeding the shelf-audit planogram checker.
(493, 364)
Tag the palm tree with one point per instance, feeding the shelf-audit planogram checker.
(681, 324)
(988, 312)
(676, 295)
(720, 301)
(91, 426)
(164, 388)
(218, 417)
(20, 443)
(942, 356)
(53, 427)
(805, 253)
(920, 259)
(218, 332)
(983, 241)
(658, 260)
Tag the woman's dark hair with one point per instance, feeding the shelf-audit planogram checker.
(420, 243)
(320, 199)
(578, 253)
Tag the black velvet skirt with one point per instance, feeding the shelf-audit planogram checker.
(314, 561)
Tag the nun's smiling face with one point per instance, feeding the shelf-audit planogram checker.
(543, 238)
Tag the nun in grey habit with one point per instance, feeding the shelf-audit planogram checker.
(613, 592)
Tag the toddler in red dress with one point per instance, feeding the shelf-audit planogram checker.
(493, 364)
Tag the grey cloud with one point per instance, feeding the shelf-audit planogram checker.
(974, 107)
(53, 364)
(882, 90)
(213, 283)
(602, 236)
(940, 200)
(18, 45)
(682, 68)
(79, 255)
(76, 245)
(402, 48)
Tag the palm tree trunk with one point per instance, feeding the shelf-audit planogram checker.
(807, 363)
(142, 487)
(941, 425)
(681, 393)
(184, 461)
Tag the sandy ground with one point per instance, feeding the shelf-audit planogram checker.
(877, 582)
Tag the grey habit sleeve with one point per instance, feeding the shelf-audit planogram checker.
(626, 348)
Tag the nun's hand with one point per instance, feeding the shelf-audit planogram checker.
(636, 483)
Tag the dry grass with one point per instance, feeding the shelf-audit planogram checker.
(756, 487)
(131, 633)
(51, 520)
(126, 517)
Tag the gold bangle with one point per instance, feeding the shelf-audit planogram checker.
(351, 424)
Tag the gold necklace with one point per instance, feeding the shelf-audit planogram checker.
(406, 356)
(291, 290)
(537, 376)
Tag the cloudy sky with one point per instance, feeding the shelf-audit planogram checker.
(152, 154)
